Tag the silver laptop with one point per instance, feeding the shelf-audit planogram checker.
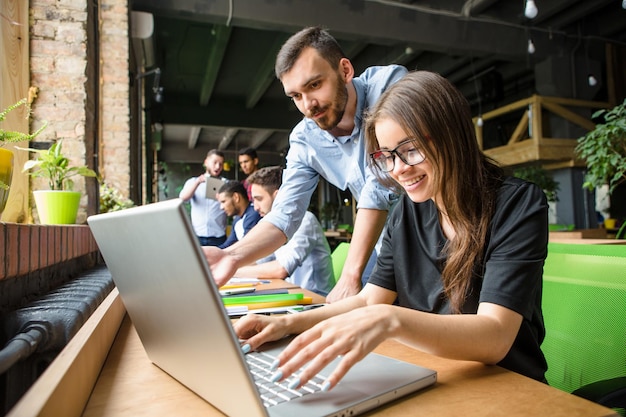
(166, 285)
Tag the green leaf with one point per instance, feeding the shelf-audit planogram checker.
(55, 167)
(604, 149)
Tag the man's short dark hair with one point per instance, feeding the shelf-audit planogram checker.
(251, 152)
(270, 178)
(215, 152)
(231, 187)
(312, 37)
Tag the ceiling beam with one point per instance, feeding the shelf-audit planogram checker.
(450, 32)
(271, 114)
(179, 153)
(354, 49)
(469, 69)
(441, 64)
(475, 7)
(265, 73)
(229, 134)
(194, 134)
(400, 55)
(217, 47)
(259, 137)
(562, 13)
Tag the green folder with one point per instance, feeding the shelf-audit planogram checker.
(253, 299)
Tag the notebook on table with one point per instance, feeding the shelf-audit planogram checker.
(172, 300)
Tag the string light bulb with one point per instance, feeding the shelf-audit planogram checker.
(623, 4)
(479, 121)
(530, 11)
(531, 46)
(592, 80)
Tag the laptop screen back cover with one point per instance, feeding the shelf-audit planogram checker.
(163, 280)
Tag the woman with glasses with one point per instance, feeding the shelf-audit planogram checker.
(459, 273)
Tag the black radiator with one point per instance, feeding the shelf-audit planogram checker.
(37, 332)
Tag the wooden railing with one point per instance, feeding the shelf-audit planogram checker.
(527, 142)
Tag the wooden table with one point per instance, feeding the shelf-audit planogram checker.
(130, 385)
(588, 241)
(579, 234)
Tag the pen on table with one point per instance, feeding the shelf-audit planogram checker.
(237, 291)
(301, 308)
(312, 306)
(237, 280)
(230, 286)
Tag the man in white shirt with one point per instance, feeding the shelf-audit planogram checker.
(207, 218)
(305, 259)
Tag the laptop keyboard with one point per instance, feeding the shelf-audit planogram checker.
(273, 393)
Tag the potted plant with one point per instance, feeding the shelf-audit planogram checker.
(604, 150)
(59, 204)
(542, 179)
(6, 156)
(112, 200)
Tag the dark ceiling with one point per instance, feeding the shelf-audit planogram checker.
(216, 57)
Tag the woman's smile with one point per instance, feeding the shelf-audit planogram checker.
(409, 183)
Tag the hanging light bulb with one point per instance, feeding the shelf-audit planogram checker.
(592, 80)
(531, 46)
(479, 121)
(623, 4)
(531, 9)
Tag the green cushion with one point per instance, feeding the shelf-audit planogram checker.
(338, 258)
(588, 249)
(584, 308)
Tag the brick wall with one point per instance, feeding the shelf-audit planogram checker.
(58, 62)
(36, 258)
(115, 111)
(58, 59)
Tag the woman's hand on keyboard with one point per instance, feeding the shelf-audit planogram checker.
(351, 335)
(257, 329)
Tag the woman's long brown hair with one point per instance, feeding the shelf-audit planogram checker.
(436, 115)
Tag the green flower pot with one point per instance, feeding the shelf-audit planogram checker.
(57, 207)
(6, 172)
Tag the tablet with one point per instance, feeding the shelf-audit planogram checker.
(212, 186)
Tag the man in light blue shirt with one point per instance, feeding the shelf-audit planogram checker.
(305, 259)
(207, 218)
(319, 78)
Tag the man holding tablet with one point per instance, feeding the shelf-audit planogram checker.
(207, 218)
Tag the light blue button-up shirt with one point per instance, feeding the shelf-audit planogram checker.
(342, 161)
(306, 257)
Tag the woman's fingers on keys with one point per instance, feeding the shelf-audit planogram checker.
(312, 356)
(301, 350)
(348, 356)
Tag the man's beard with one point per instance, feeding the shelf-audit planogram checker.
(335, 110)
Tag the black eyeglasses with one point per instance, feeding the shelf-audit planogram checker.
(385, 160)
